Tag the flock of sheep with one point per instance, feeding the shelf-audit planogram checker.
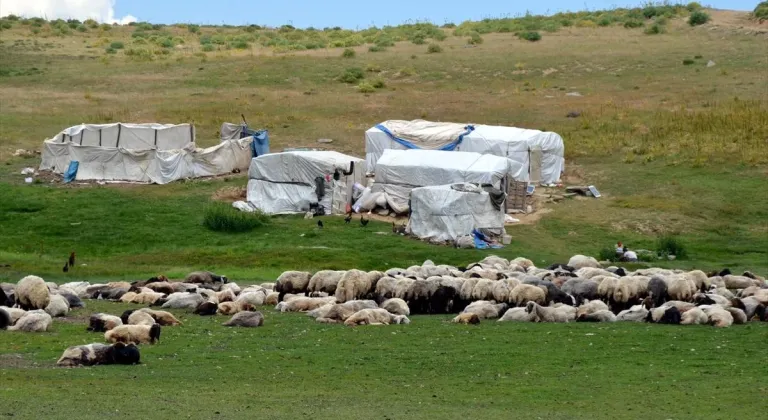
(494, 288)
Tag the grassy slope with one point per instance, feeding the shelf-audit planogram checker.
(667, 144)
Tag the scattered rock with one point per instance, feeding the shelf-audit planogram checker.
(28, 171)
(710, 63)
(573, 94)
(573, 114)
(324, 140)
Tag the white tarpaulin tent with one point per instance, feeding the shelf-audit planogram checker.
(511, 142)
(158, 153)
(446, 212)
(289, 182)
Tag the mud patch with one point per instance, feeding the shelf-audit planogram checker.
(230, 194)
(15, 361)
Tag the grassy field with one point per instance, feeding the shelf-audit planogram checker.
(675, 149)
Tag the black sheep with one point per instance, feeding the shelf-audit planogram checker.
(206, 308)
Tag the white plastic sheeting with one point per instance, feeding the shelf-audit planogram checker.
(420, 168)
(137, 159)
(440, 213)
(511, 142)
(286, 182)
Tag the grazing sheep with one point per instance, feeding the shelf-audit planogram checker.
(494, 260)
(57, 306)
(699, 278)
(581, 289)
(548, 313)
(189, 301)
(581, 261)
(603, 315)
(385, 288)
(630, 290)
(664, 315)
(375, 317)
(338, 313)
(32, 293)
(201, 277)
(590, 307)
(607, 288)
(694, 316)
(483, 290)
(325, 281)
(523, 293)
(140, 318)
(592, 273)
(442, 300)
(518, 315)
(139, 334)
(33, 321)
(100, 354)
(292, 282)
(303, 304)
(637, 313)
(245, 319)
(396, 306)
(356, 284)
(657, 290)
(72, 299)
(680, 287)
(524, 263)
(466, 318)
(486, 309)
(206, 309)
(100, 322)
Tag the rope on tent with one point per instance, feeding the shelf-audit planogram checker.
(447, 147)
(119, 128)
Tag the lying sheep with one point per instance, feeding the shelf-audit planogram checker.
(139, 334)
(57, 306)
(33, 321)
(637, 313)
(548, 313)
(246, 319)
(100, 322)
(694, 316)
(718, 316)
(338, 313)
(189, 301)
(664, 315)
(140, 318)
(486, 309)
(466, 318)
(375, 317)
(303, 304)
(207, 308)
(201, 277)
(15, 313)
(100, 354)
(737, 282)
(590, 307)
(602, 315)
(396, 306)
(162, 317)
(518, 315)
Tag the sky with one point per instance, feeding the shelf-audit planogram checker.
(349, 14)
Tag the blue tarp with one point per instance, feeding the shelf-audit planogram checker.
(71, 172)
(482, 241)
(260, 144)
(447, 147)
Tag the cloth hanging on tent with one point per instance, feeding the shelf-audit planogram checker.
(497, 196)
(260, 144)
(71, 172)
(447, 147)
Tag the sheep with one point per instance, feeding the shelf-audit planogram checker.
(206, 309)
(57, 306)
(139, 334)
(231, 308)
(523, 293)
(598, 316)
(637, 313)
(272, 298)
(396, 306)
(591, 306)
(418, 296)
(739, 317)
(718, 316)
(5, 319)
(664, 315)
(292, 282)
(14, 313)
(225, 296)
(750, 305)
(710, 299)
(699, 278)
(607, 288)
(325, 281)
(485, 309)
(231, 286)
(581, 261)
(6, 300)
(581, 289)
(524, 263)
(630, 290)
(518, 315)
(680, 287)
(466, 318)
(303, 304)
(161, 287)
(147, 297)
(375, 317)
(209, 295)
(253, 298)
(721, 291)
(657, 290)
(202, 277)
(356, 284)
(402, 287)
(339, 312)
(128, 297)
(119, 285)
(502, 289)
(245, 319)
(140, 318)
(189, 301)
(78, 288)
(494, 260)
(592, 272)
(100, 354)
(32, 293)
(100, 322)
(737, 282)
(547, 313)
(483, 290)
(681, 306)
(33, 321)
(162, 317)
(694, 316)
(72, 299)
(385, 288)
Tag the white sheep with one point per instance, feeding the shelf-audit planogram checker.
(523, 293)
(99, 354)
(486, 309)
(718, 316)
(466, 318)
(303, 304)
(375, 317)
(246, 319)
(590, 307)
(396, 306)
(581, 261)
(356, 284)
(100, 322)
(139, 334)
(602, 315)
(548, 313)
(518, 315)
(483, 289)
(325, 281)
(339, 312)
(189, 301)
(737, 282)
(32, 293)
(637, 313)
(292, 282)
(140, 318)
(57, 306)
(33, 321)
(13, 314)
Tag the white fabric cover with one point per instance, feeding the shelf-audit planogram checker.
(440, 213)
(511, 142)
(230, 131)
(160, 166)
(420, 168)
(129, 136)
(285, 182)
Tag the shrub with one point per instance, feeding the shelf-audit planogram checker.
(193, 28)
(117, 45)
(605, 21)
(698, 18)
(91, 23)
(761, 11)
(687, 62)
(670, 245)
(633, 23)
(586, 23)
(165, 42)
(378, 83)
(373, 68)
(82, 28)
(650, 11)
(365, 87)
(439, 36)
(607, 254)
(240, 45)
(221, 217)
(352, 75)
(419, 39)
(654, 29)
(693, 6)
(111, 50)
(6, 25)
(434, 49)
(348, 53)
(474, 39)
(532, 36)
(105, 27)
(208, 47)
(139, 54)
(376, 48)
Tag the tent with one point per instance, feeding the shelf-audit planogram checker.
(294, 182)
(511, 142)
(158, 153)
(446, 212)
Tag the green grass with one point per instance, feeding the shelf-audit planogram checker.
(221, 217)
(293, 367)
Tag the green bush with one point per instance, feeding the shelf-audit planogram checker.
(110, 50)
(633, 23)
(348, 53)
(352, 75)
(6, 25)
(117, 45)
(105, 27)
(475, 39)
(761, 11)
(698, 18)
(419, 39)
(688, 62)
(607, 254)
(91, 23)
(139, 54)
(240, 45)
(193, 28)
(654, 29)
(378, 83)
(605, 21)
(208, 47)
(532, 36)
(439, 36)
(165, 42)
(221, 217)
(373, 68)
(434, 49)
(668, 245)
(693, 6)
(650, 11)
(365, 87)
(376, 48)
(82, 28)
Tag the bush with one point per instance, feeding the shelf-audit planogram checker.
(373, 68)
(761, 11)
(650, 11)
(348, 53)
(193, 28)
(434, 49)
(208, 47)
(693, 6)
(439, 36)
(240, 45)
(688, 62)
(91, 23)
(110, 50)
(670, 245)
(221, 217)
(352, 75)
(654, 29)
(633, 23)
(82, 28)
(607, 254)
(605, 21)
(419, 39)
(165, 42)
(474, 39)
(6, 25)
(105, 27)
(117, 45)
(378, 83)
(698, 18)
(376, 48)
(365, 87)
(532, 36)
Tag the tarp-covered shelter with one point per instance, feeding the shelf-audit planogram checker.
(158, 153)
(510, 142)
(446, 212)
(301, 181)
